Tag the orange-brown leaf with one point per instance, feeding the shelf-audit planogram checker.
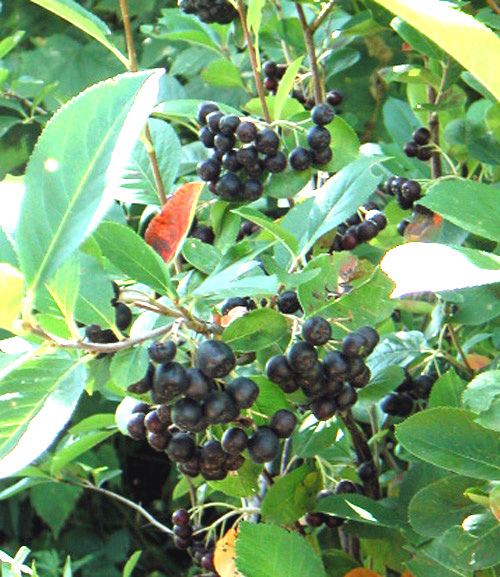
(360, 572)
(407, 574)
(167, 230)
(225, 555)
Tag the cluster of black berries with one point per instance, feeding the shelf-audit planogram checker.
(400, 403)
(187, 401)
(418, 145)
(330, 384)
(245, 302)
(319, 138)
(406, 191)
(257, 156)
(362, 226)
(210, 11)
(202, 232)
(332, 521)
(273, 74)
(123, 317)
(333, 98)
(185, 537)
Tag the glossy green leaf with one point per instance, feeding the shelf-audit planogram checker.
(240, 484)
(400, 349)
(450, 438)
(482, 391)
(76, 446)
(131, 564)
(345, 144)
(448, 26)
(129, 253)
(425, 266)
(449, 197)
(285, 85)
(263, 550)
(8, 44)
(256, 330)
(341, 196)
(362, 509)
(54, 503)
(416, 40)
(63, 287)
(222, 73)
(37, 397)
(11, 289)
(314, 437)
(76, 165)
(137, 183)
(83, 19)
(440, 505)
(291, 496)
(447, 391)
(201, 255)
(129, 366)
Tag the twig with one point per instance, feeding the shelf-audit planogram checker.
(133, 67)
(494, 5)
(163, 528)
(436, 166)
(311, 53)
(321, 17)
(253, 60)
(24, 101)
(458, 346)
(363, 453)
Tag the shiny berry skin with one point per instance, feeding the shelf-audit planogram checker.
(279, 371)
(324, 408)
(424, 153)
(246, 132)
(243, 391)
(378, 218)
(411, 149)
(252, 190)
(219, 408)
(199, 386)
(350, 239)
(204, 109)
(183, 531)
(206, 137)
(318, 138)
(234, 441)
(352, 345)
(247, 155)
(215, 359)
(322, 114)
(275, 163)
(170, 380)
(255, 169)
(270, 84)
(388, 185)
(396, 404)
(322, 156)
(204, 233)
(180, 517)
(230, 161)
(162, 352)
(283, 422)
(421, 136)
(366, 231)
(229, 187)
(228, 124)
(213, 121)
(208, 169)
(136, 427)
(397, 184)
(182, 543)
(158, 441)
(302, 357)
(288, 303)
(213, 454)
(181, 448)
(370, 336)
(187, 413)
(316, 331)
(153, 423)
(402, 226)
(223, 143)
(270, 68)
(123, 316)
(335, 365)
(300, 159)
(411, 190)
(346, 398)
(267, 141)
(263, 445)
(334, 98)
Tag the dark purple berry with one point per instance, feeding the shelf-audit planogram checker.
(136, 427)
(204, 233)
(206, 137)
(270, 68)
(153, 423)
(213, 454)
(208, 169)
(267, 141)
(335, 365)
(199, 386)
(270, 84)
(378, 218)
(316, 331)
(180, 517)
(397, 404)
(223, 143)
(322, 114)
(402, 227)
(425, 153)
(228, 124)
(243, 391)
(169, 381)
(158, 441)
(300, 159)
(162, 352)
(318, 138)
(345, 486)
(411, 149)
(252, 190)
(215, 359)
(219, 408)
(263, 445)
(314, 519)
(187, 413)
(229, 187)
(283, 423)
(279, 371)
(246, 132)
(302, 357)
(123, 316)
(350, 239)
(366, 231)
(234, 441)
(411, 190)
(288, 303)
(181, 448)
(421, 136)
(204, 109)
(213, 121)
(248, 155)
(371, 338)
(275, 163)
(346, 398)
(334, 98)
(322, 156)
(324, 408)
(231, 162)
(352, 345)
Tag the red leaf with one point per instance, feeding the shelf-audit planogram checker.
(167, 230)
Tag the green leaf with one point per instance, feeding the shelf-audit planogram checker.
(254, 15)
(201, 255)
(291, 496)
(425, 266)
(274, 229)
(222, 73)
(416, 40)
(440, 505)
(448, 26)
(314, 437)
(131, 564)
(242, 483)
(255, 330)
(287, 183)
(362, 509)
(83, 19)
(37, 397)
(409, 74)
(74, 447)
(399, 348)
(137, 183)
(285, 85)
(54, 503)
(345, 144)
(129, 366)
(340, 197)
(448, 198)
(63, 287)
(9, 43)
(447, 391)
(449, 438)
(11, 289)
(128, 252)
(263, 550)
(76, 164)
(482, 391)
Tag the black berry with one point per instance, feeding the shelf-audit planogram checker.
(204, 109)
(322, 114)
(199, 386)
(275, 163)
(300, 159)
(318, 138)
(229, 187)
(302, 357)
(213, 121)
(252, 189)
(228, 124)
(234, 441)
(316, 331)
(288, 303)
(411, 149)
(246, 132)
(283, 423)
(187, 413)
(123, 316)
(162, 352)
(263, 445)
(208, 169)
(243, 391)
(334, 98)
(397, 404)
(219, 408)
(279, 371)
(215, 359)
(421, 136)
(267, 141)
(181, 448)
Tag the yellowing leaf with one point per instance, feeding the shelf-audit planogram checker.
(362, 573)
(225, 555)
(455, 32)
(11, 289)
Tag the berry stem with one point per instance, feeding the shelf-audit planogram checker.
(363, 452)
(129, 39)
(458, 346)
(494, 6)
(253, 60)
(311, 53)
(322, 16)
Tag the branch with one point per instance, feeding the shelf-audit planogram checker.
(24, 101)
(494, 5)
(321, 17)
(363, 452)
(253, 60)
(311, 53)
